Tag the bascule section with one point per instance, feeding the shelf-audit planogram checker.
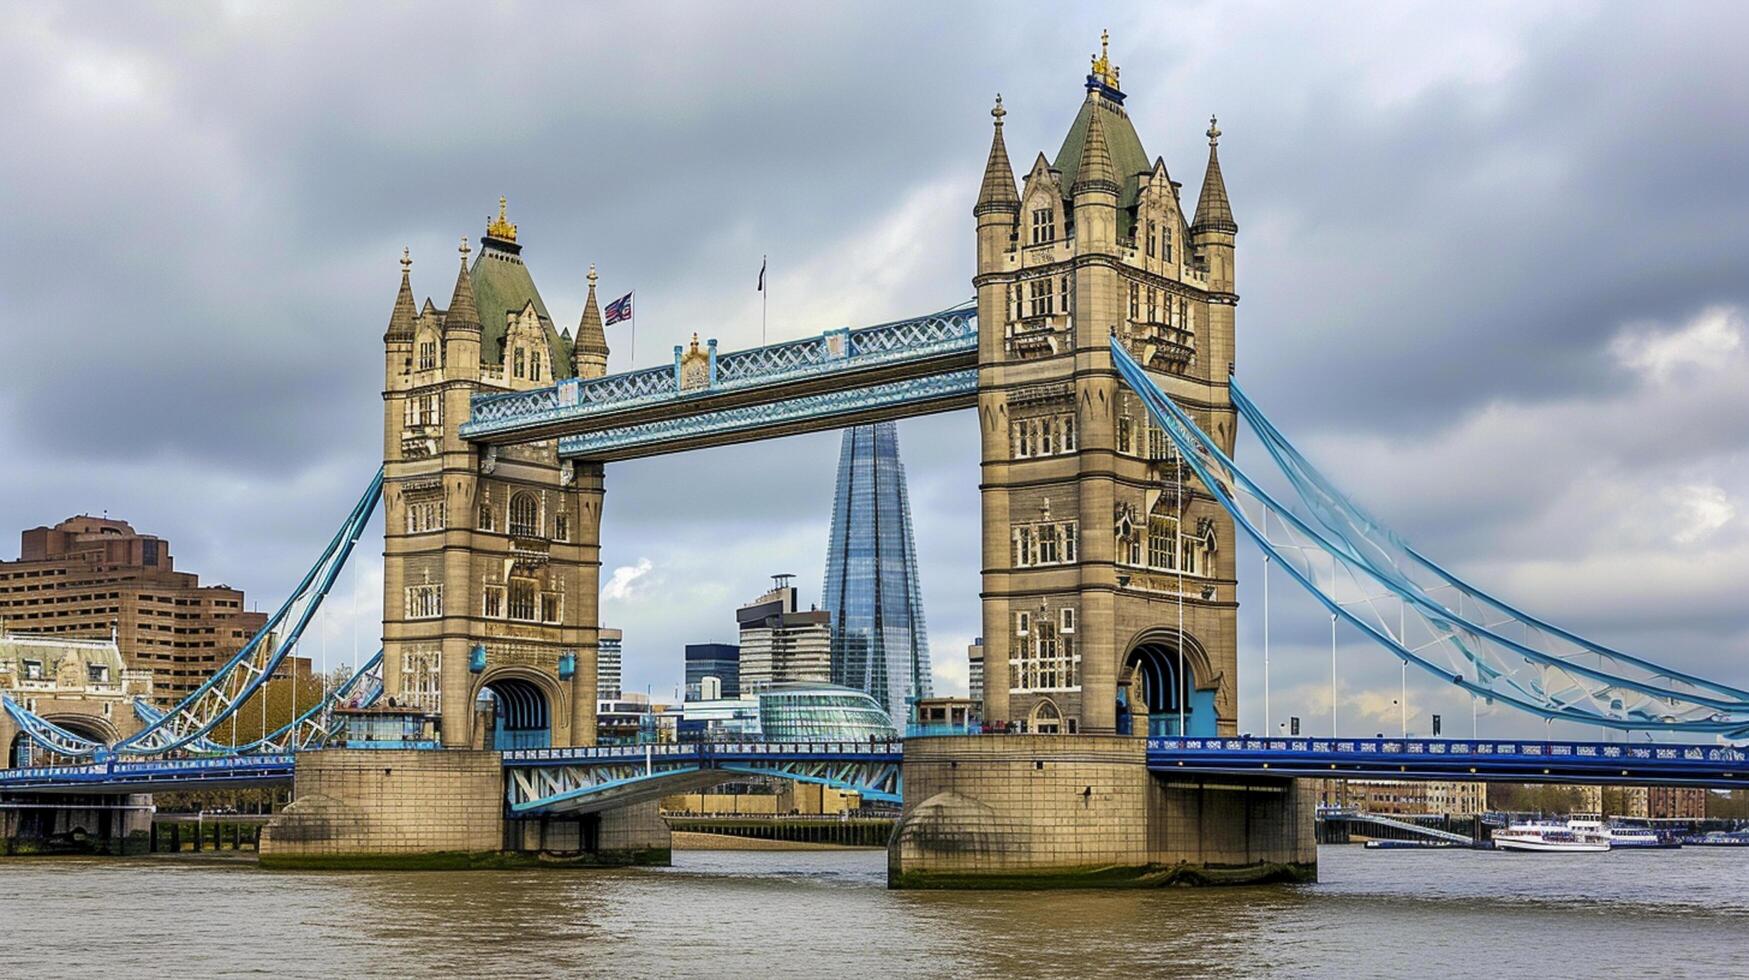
(491, 550)
(1109, 584)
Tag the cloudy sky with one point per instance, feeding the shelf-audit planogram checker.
(1494, 263)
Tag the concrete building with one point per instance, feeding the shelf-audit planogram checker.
(975, 672)
(1096, 538)
(94, 577)
(625, 719)
(1404, 797)
(879, 641)
(491, 567)
(719, 660)
(609, 664)
(781, 644)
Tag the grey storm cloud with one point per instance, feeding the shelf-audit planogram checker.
(1444, 212)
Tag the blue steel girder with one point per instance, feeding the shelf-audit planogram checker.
(771, 419)
(1432, 759)
(836, 361)
(592, 779)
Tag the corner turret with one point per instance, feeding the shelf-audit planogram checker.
(461, 322)
(589, 352)
(1213, 232)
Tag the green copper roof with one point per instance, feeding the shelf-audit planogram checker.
(1127, 156)
(502, 285)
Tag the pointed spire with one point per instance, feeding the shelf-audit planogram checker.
(462, 311)
(1213, 212)
(998, 193)
(401, 320)
(1095, 171)
(589, 356)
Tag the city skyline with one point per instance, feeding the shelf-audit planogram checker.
(1543, 353)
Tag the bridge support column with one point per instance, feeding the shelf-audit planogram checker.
(440, 810)
(996, 811)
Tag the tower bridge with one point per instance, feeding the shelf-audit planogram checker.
(1099, 357)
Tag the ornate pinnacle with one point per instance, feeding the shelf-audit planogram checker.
(500, 227)
(591, 275)
(998, 112)
(1214, 132)
(464, 250)
(1102, 68)
(406, 260)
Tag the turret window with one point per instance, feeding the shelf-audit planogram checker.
(1135, 301)
(427, 355)
(1044, 226)
(534, 366)
(487, 523)
(521, 368)
(1150, 239)
(1063, 295)
(1166, 241)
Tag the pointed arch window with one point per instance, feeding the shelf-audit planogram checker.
(524, 515)
(520, 367)
(427, 355)
(534, 365)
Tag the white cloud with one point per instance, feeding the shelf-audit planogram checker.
(1715, 336)
(1701, 509)
(624, 585)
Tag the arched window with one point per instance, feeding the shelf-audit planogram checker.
(524, 515)
(534, 365)
(1046, 719)
(520, 370)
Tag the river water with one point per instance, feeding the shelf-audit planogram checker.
(829, 913)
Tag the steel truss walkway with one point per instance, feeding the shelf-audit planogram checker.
(841, 377)
(589, 780)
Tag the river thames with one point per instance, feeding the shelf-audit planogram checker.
(826, 913)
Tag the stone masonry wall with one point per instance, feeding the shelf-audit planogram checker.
(1041, 810)
(353, 806)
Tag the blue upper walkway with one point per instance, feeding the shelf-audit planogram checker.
(841, 377)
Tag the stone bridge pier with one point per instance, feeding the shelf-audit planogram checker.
(1032, 811)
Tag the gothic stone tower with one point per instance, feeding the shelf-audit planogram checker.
(491, 560)
(1097, 543)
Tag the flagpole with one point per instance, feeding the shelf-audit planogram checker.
(632, 364)
(764, 297)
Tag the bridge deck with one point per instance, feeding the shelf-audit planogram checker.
(1485, 760)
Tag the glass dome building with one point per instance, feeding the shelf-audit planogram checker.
(821, 713)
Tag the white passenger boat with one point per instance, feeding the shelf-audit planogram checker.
(1572, 836)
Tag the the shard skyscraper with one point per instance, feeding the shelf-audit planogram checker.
(879, 644)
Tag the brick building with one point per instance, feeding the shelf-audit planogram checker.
(91, 576)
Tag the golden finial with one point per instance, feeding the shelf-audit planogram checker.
(1214, 133)
(591, 275)
(464, 250)
(500, 227)
(1102, 69)
(998, 112)
(406, 260)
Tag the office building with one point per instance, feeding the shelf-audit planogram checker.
(719, 660)
(609, 664)
(781, 644)
(879, 643)
(94, 578)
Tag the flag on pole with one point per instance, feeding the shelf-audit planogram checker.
(619, 309)
(761, 274)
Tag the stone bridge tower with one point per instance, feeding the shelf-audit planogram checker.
(1097, 543)
(491, 558)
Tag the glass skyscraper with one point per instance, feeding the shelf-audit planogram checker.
(879, 644)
